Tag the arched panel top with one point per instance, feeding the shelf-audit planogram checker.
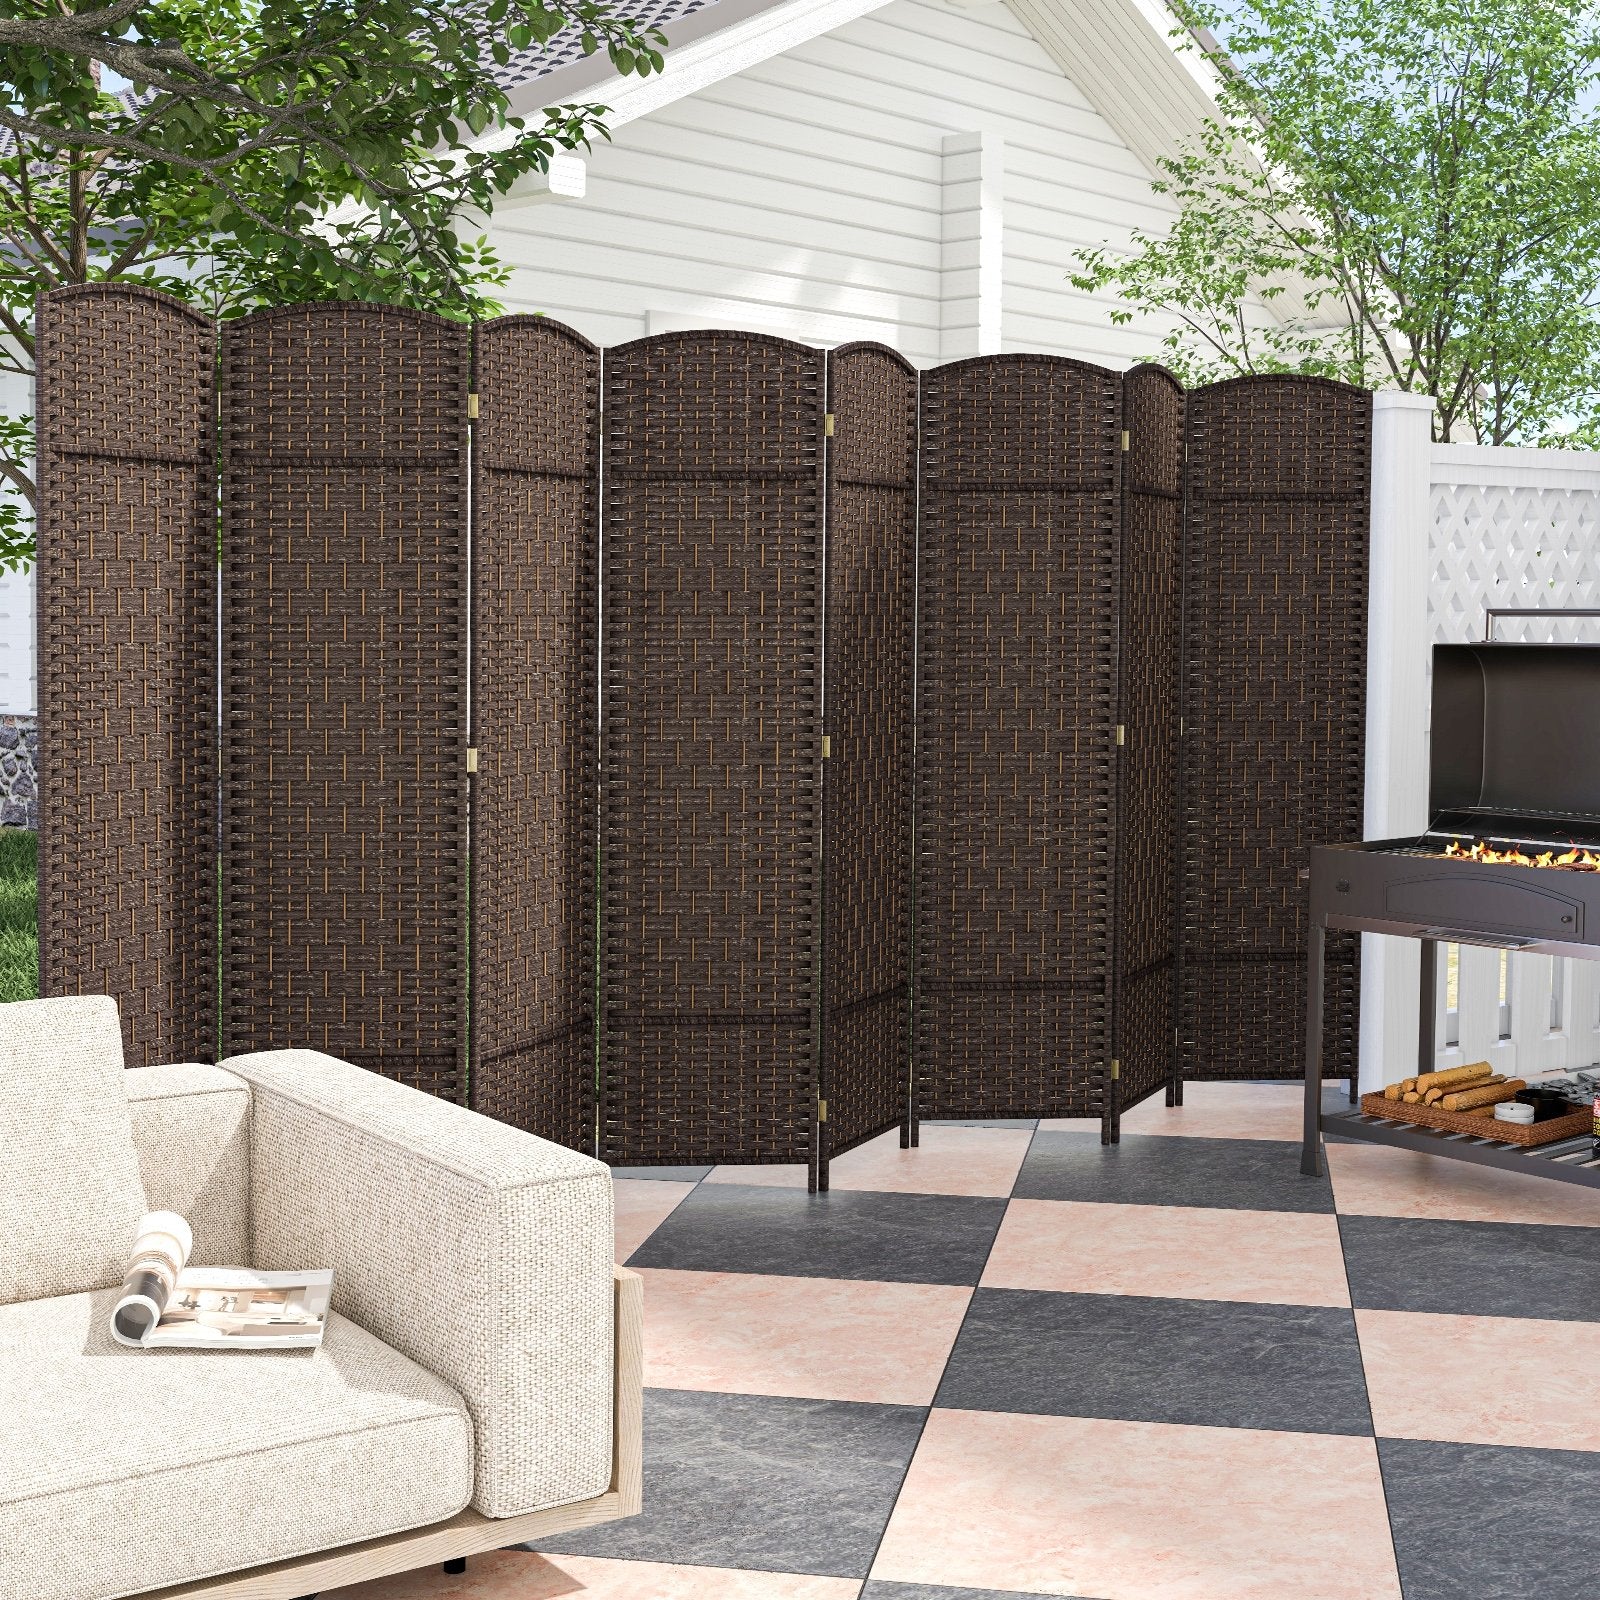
(124, 372)
(872, 393)
(538, 387)
(346, 382)
(1152, 415)
(713, 403)
(1021, 422)
(1280, 437)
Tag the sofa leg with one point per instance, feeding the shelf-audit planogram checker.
(456, 1566)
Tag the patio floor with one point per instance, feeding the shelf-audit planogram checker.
(1014, 1363)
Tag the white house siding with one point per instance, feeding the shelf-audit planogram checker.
(804, 196)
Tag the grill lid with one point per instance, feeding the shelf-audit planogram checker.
(1516, 739)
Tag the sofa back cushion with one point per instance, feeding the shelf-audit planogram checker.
(70, 1192)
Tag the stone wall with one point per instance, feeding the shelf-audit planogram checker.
(19, 773)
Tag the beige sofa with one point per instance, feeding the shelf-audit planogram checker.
(479, 1383)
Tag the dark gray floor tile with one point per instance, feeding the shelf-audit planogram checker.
(1171, 1170)
(752, 1481)
(878, 1590)
(1490, 1269)
(903, 1238)
(1220, 1364)
(665, 1174)
(980, 1122)
(1483, 1522)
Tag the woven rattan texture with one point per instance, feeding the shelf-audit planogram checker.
(1015, 765)
(536, 450)
(866, 865)
(1152, 525)
(1274, 679)
(127, 682)
(344, 688)
(711, 749)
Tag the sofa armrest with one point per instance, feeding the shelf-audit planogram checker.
(482, 1253)
(191, 1125)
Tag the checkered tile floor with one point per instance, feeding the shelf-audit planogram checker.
(1015, 1363)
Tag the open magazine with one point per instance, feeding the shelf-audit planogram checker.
(165, 1303)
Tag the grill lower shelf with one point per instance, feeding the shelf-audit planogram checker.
(1524, 1133)
(1569, 1160)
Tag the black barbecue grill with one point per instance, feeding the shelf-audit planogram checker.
(1515, 765)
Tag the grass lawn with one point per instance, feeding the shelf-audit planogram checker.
(19, 914)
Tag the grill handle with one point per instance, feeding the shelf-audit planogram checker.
(1491, 612)
(1507, 941)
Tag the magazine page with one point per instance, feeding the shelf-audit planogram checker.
(235, 1309)
(160, 1250)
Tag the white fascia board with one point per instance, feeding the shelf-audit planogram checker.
(749, 36)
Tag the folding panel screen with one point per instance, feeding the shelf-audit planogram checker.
(344, 664)
(711, 747)
(1152, 527)
(535, 552)
(1016, 781)
(866, 864)
(1274, 680)
(127, 683)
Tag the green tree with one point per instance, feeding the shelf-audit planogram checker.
(1412, 187)
(264, 153)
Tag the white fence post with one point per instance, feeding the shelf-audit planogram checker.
(1397, 709)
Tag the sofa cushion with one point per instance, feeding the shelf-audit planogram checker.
(125, 1470)
(70, 1191)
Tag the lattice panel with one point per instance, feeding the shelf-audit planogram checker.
(127, 681)
(1273, 673)
(1152, 526)
(711, 749)
(872, 540)
(1016, 761)
(536, 455)
(344, 687)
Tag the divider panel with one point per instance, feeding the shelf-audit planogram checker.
(536, 453)
(711, 749)
(1274, 690)
(127, 617)
(1016, 756)
(871, 585)
(1152, 527)
(344, 687)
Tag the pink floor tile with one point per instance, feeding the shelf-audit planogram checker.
(1180, 1252)
(1140, 1511)
(811, 1338)
(1370, 1180)
(1209, 1111)
(642, 1205)
(974, 1161)
(1479, 1380)
(519, 1575)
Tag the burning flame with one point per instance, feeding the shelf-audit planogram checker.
(1574, 860)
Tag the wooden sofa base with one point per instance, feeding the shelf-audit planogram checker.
(469, 1533)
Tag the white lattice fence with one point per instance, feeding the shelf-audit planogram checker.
(1514, 529)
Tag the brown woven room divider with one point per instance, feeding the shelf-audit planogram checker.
(1274, 699)
(871, 586)
(1146, 935)
(344, 687)
(1016, 802)
(127, 682)
(536, 454)
(711, 749)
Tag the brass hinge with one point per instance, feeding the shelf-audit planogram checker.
(1177, 1038)
(1126, 439)
(472, 759)
(822, 1111)
(827, 747)
(1122, 734)
(1180, 727)
(1116, 1068)
(472, 408)
(827, 426)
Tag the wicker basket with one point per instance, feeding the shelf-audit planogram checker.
(1523, 1133)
